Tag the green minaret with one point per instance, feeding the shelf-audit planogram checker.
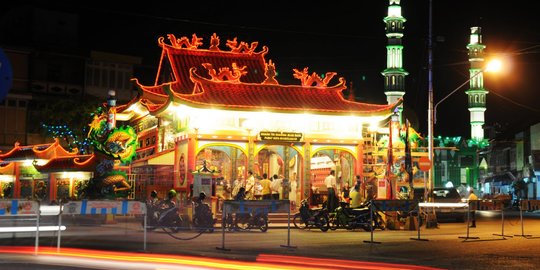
(477, 94)
(394, 74)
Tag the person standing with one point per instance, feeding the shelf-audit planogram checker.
(266, 191)
(472, 198)
(285, 189)
(292, 193)
(330, 182)
(250, 186)
(276, 185)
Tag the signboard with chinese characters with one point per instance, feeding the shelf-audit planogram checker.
(280, 136)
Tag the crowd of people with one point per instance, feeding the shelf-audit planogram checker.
(264, 187)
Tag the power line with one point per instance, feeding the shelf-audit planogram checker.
(515, 102)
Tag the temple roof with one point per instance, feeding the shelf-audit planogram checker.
(290, 98)
(241, 79)
(33, 152)
(80, 163)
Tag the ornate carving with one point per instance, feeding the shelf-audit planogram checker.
(214, 43)
(314, 78)
(184, 41)
(225, 73)
(243, 47)
(270, 73)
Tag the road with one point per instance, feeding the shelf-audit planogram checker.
(439, 247)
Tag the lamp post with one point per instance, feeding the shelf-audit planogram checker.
(493, 65)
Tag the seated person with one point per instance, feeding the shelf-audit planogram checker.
(355, 198)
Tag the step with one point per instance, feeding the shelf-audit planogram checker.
(275, 220)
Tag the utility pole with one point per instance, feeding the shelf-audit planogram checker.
(432, 219)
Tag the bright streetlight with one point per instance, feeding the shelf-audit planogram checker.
(492, 66)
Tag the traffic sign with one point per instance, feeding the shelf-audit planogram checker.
(424, 164)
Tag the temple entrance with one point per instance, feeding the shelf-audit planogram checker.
(284, 162)
(322, 162)
(229, 162)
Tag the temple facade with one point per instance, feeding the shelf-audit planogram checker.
(223, 107)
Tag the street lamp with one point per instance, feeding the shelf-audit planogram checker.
(493, 66)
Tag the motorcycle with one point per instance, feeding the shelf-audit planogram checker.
(203, 218)
(163, 215)
(247, 221)
(352, 218)
(307, 217)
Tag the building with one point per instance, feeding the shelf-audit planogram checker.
(227, 108)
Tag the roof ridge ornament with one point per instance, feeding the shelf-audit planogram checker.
(184, 41)
(214, 43)
(224, 73)
(243, 47)
(270, 73)
(314, 78)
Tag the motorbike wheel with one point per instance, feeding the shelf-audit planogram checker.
(298, 222)
(350, 223)
(379, 222)
(334, 221)
(242, 223)
(228, 223)
(172, 225)
(204, 223)
(263, 224)
(322, 223)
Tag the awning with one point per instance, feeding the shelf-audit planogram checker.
(501, 179)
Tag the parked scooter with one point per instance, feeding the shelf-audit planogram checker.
(361, 217)
(307, 217)
(203, 218)
(163, 214)
(247, 221)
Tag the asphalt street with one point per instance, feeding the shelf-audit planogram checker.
(445, 246)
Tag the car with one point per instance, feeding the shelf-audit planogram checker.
(444, 195)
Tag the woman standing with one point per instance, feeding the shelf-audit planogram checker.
(292, 192)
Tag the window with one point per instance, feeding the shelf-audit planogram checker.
(108, 75)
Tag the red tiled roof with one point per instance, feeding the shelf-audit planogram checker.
(247, 94)
(182, 59)
(38, 151)
(279, 98)
(79, 163)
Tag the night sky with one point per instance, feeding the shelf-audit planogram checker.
(347, 37)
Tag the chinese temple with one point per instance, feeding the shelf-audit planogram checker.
(223, 106)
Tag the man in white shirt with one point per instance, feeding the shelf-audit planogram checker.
(250, 186)
(276, 185)
(330, 182)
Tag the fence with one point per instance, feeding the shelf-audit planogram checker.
(527, 205)
(106, 207)
(254, 207)
(13, 209)
(389, 205)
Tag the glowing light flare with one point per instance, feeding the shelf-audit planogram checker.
(31, 229)
(7, 178)
(138, 109)
(494, 65)
(334, 263)
(442, 205)
(156, 261)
